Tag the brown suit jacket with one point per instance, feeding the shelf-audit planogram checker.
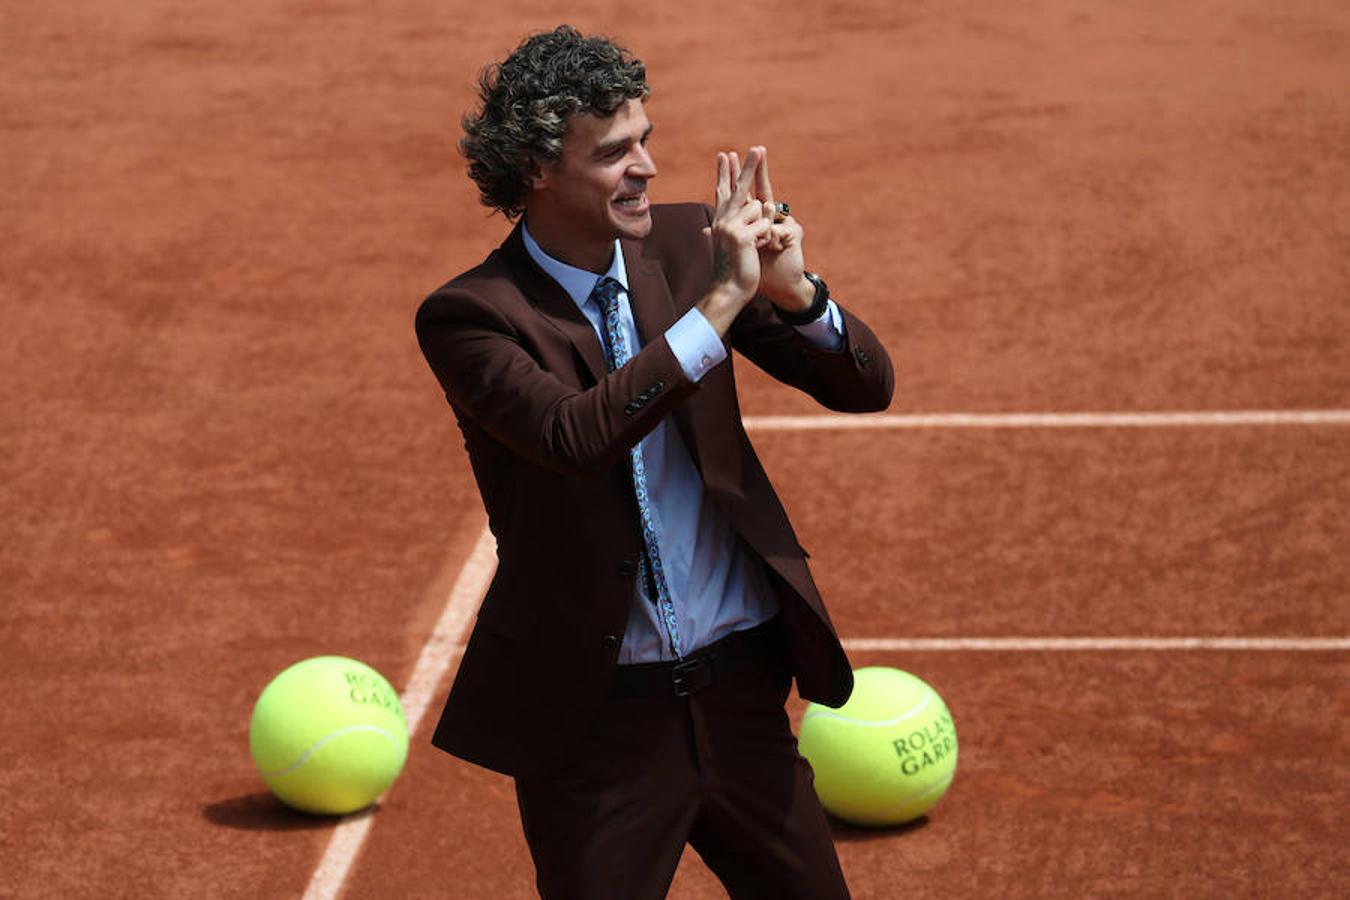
(548, 430)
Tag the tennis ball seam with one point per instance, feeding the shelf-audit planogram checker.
(827, 714)
(319, 745)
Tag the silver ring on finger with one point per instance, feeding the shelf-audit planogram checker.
(781, 210)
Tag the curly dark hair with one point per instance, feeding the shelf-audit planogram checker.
(526, 103)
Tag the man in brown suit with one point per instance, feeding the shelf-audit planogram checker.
(631, 660)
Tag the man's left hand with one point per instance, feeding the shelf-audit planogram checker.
(780, 251)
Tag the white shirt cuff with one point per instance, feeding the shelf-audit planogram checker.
(695, 344)
(827, 332)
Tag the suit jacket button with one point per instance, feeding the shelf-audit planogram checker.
(610, 641)
(625, 568)
(861, 354)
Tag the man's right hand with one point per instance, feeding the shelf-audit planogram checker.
(741, 224)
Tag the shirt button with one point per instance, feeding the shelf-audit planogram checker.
(625, 568)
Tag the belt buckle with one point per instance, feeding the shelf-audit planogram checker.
(692, 675)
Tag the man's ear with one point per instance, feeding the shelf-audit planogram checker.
(540, 177)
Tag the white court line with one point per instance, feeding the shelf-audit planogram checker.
(922, 645)
(1298, 644)
(839, 421)
(440, 651)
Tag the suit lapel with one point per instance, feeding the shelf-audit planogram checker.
(648, 296)
(654, 312)
(648, 293)
(555, 305)
(698, 420)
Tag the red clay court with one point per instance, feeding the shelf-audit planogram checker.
(1107, 517)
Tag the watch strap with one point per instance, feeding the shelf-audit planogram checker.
(812, 312)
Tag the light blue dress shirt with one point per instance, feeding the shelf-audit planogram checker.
(716, 586)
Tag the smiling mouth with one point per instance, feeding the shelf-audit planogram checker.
(631, 201)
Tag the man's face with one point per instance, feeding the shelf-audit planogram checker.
(599, 185)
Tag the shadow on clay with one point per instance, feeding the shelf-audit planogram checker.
(846, 833)
(264, 812)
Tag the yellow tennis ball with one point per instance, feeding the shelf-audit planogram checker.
(328, 735)
(887, 755)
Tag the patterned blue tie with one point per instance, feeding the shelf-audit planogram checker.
(606, 293)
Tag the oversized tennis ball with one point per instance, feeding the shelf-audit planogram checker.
(328, 735)
(887, 755)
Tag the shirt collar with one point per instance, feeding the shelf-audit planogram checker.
(577, 282)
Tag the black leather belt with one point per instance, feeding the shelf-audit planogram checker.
(759, 648)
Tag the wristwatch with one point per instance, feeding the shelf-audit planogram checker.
(812, 312)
